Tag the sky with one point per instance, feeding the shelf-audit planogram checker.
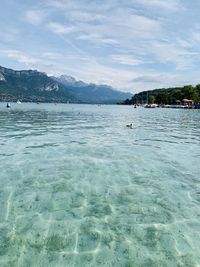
(132, 45)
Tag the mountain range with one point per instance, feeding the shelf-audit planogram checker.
(35, 86)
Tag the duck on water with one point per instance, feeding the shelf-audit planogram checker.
(129, 126)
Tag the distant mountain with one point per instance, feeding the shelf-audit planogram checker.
(91, 93)
(35, 86)
(31, 85)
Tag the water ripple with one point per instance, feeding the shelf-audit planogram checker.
(77, 188)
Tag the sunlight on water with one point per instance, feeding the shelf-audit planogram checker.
(78, 188)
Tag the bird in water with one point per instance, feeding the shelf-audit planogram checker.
(129, 126)
(8, 105)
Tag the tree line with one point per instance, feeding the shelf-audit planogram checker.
(166, 96)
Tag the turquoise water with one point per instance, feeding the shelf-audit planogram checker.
(78, 188)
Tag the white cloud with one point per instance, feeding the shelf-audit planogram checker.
(163, 80)
(175, 54)
(20, 57)
(60, 4)
(123, 25)
(59, 28)
(9, 34)
(98, 39)
(108, 19)
(195, 37)
(143, 23)
(170, 5)
(126, 60)
(83, 16)
(35, 16)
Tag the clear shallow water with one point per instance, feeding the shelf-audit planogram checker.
(77, 188)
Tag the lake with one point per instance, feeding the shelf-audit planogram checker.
(79, 188)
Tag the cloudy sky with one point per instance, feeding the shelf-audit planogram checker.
(132, 45)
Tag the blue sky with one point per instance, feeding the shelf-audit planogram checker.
(132, 45)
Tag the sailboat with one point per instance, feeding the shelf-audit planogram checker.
(19, 102)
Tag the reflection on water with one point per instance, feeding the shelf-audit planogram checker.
(77, 188)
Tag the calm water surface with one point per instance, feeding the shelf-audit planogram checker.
(78, 188)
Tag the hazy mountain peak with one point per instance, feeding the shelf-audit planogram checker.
(67, 78)
(90, 92)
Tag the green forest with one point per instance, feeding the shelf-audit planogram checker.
(166, 96)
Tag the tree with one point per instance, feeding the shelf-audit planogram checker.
(189, 92)
(151, 99)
